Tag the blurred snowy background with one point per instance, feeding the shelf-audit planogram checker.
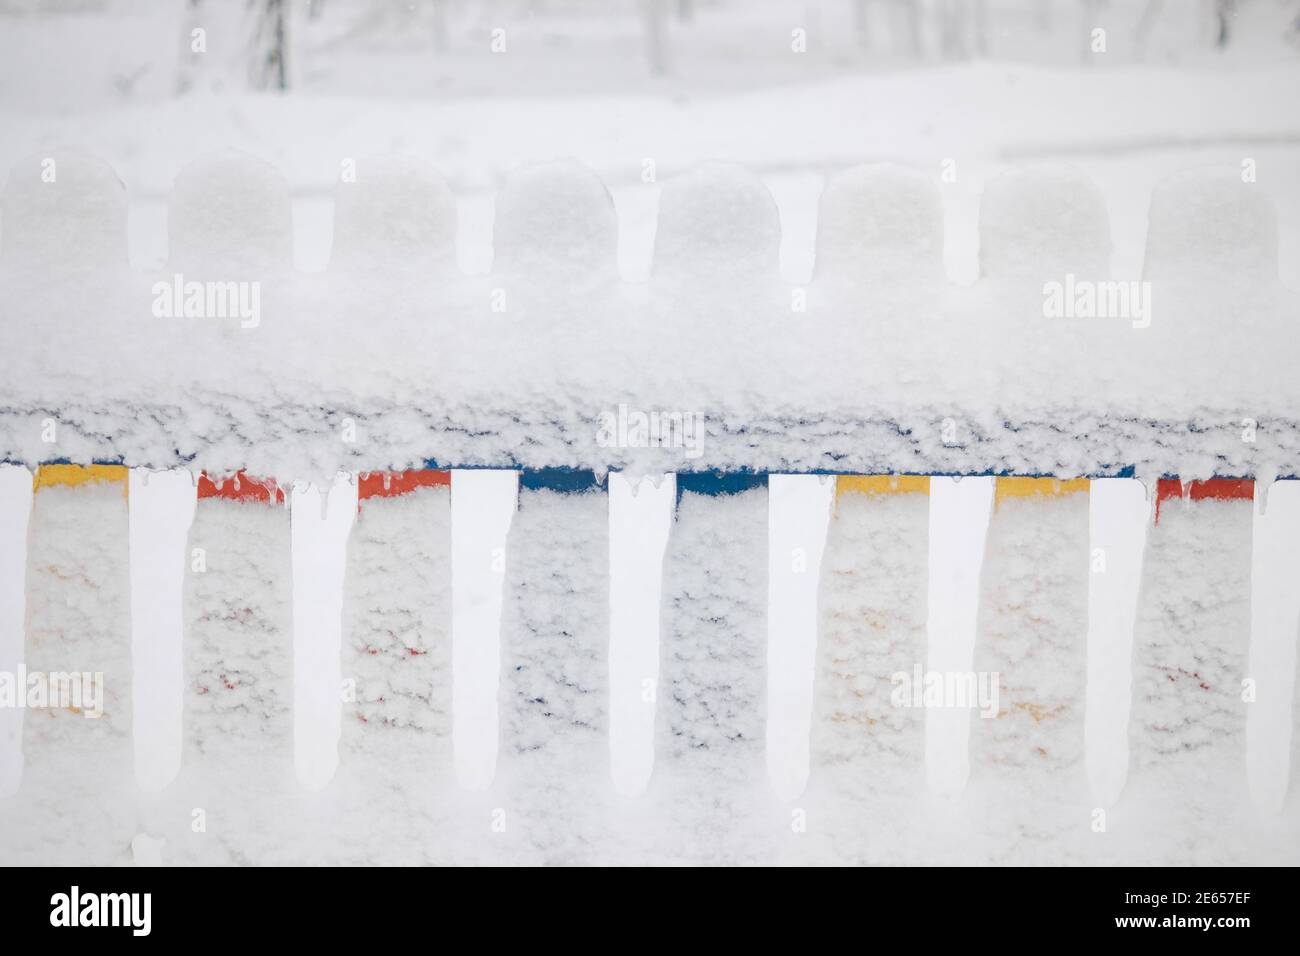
(792, 89)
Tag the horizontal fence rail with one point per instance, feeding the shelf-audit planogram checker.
(393, 359)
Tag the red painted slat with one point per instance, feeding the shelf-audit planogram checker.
(390, 484)
(1218, 489)
(241, 487)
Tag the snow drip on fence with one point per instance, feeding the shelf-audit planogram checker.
(393, 357)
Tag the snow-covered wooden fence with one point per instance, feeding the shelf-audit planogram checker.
(634, 660)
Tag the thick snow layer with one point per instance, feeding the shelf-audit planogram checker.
(555, 222)
(880, 224)
(230, 216)
(909, 375)
(392, 212)
(67, 213)
(717, 222)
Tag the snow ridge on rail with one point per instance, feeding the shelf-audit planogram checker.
(392, 359)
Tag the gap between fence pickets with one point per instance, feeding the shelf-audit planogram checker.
(799, 509)
(1119, 514)
(483, 505)
(640, 521)
(15, 514)
(160, 511)
(321, 523)
(960, 511)
(1270, 680)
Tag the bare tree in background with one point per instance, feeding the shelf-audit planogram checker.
(1224, 12)
(1091, 16)
(952, 29)
(440, 25)
(269, 68)
(862, 23)
(656, 34)
(906, 22)
(1142, 33)
(187, 74)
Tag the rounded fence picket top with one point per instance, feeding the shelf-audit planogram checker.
(555, 219)
(1043, 222)
(230, 213)
(1209, 222)
(393, 210)
(879, 221)
(63, 211)
(716, 218)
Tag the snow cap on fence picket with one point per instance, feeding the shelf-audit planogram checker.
(717, 218)
(1042, 222)
(1209, 222)
(230, 213)
(394, 210)
(879, 221)
(63, 210)
(555, 219)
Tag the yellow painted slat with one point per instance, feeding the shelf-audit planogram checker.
(882, 484)
(47, 476)
(1038, 488)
